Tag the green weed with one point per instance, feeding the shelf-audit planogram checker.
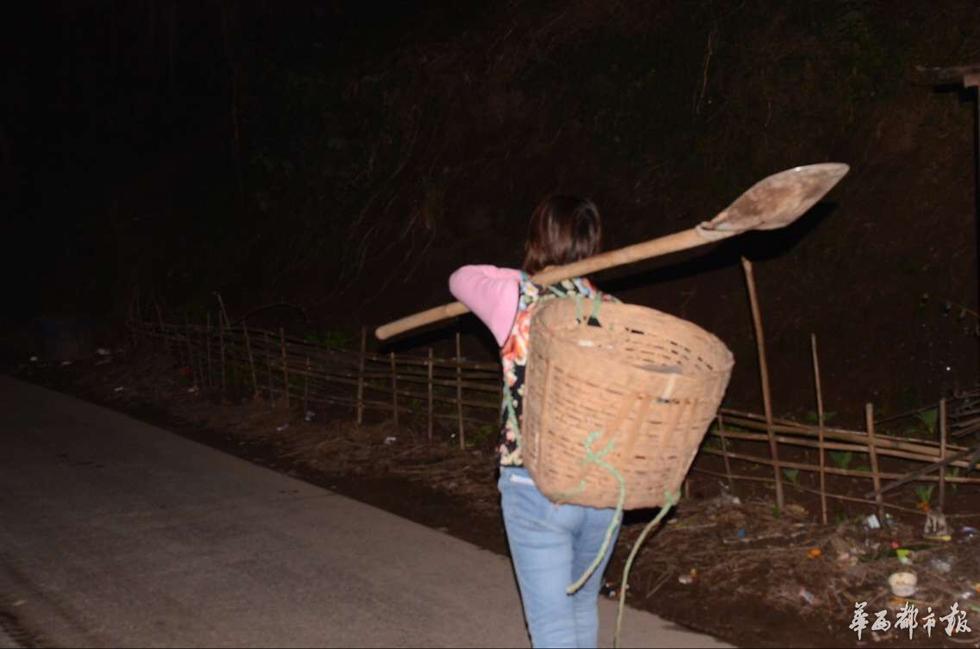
(924, 492)
(793, 475)
(927, 420)
(332, 339)
(812, 417)
(841, 459)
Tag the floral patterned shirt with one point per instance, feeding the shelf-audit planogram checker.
(514, 354)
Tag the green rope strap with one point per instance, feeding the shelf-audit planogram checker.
(671, 500)
(593, 457)
(596, 306)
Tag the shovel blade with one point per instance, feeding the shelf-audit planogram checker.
(779, 199)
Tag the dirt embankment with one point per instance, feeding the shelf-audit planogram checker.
(345, 159)
(665, 112)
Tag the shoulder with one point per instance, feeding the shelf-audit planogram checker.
(485, 272)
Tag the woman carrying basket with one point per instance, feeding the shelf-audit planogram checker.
(550, 545)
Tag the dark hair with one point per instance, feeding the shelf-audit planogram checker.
(563, 229)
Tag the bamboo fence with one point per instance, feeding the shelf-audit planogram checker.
(465, 395)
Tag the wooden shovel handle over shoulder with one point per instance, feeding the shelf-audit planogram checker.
(773, 202)
(646, 250)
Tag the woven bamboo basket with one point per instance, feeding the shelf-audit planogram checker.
(645, 384)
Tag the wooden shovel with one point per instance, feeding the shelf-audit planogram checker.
(773, 202)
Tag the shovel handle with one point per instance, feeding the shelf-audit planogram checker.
(622, 256)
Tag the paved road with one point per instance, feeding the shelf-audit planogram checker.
(114, 532)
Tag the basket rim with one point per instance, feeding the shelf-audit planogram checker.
(727, 358)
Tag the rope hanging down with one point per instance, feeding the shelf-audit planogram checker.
(597, 458)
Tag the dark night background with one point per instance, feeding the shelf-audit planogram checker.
(345, 157)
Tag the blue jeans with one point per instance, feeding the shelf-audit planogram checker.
(551, 546)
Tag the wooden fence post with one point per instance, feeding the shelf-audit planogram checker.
(869, 417)
(285, 366)
(306, 387)
(724, 449)
(139, 316)
(394, 389)
(201, 357)
(268, 367)
(360, 377)
(459, 390)
(190, 351)
(764, 374)
(251, 361)
(224, 312)
(820, 430)
(163, 336)
(942, 453)
(207, 347)
(429, 368)
(221, 345)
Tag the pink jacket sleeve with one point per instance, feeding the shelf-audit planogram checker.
(491, 293)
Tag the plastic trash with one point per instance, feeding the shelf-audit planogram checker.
(309, 416)
(940, 565)
(689, 578)
(814, 553)
(872, 522)
(904, 556)
(192, 389)
(741, 534)
(807, 596)
(611, 589)
(903, 583)
(936, 528)
(118, 388)
(847, 558)
(279, 429)
(391, 439)
(102, 351)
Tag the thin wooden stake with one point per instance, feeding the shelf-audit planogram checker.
(221, 344)
(224, 312)
(942, 454)
(251, 361)
(360, 377)
(724, 448)
(201, 359)
(166, 340)
(869, 418)
(459, 390)
(820, 429)
(268, 367)
(430, 393)
(190, 352)
(207, 347)
(306, 387)
(394, 389)
(764, 375)
(139, 315)
(285, 366)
